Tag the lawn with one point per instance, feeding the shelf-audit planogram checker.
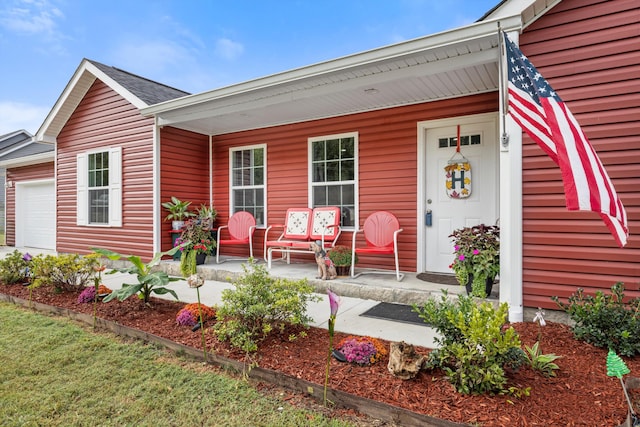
(56, 373)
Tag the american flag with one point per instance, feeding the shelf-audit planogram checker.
(538, 109)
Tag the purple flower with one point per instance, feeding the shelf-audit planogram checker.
(461, 257)
(456, 248)
(334, 302)
(87, 295)
(185, 318)
(27, 257)
(476, 252)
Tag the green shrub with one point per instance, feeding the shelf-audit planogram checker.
(542, 363)
(605, 320)
(260, 304)
(14, 268)
(474, 344)
(65, 272)
(149, 280)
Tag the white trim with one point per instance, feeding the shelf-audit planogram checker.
(396, 51)
(155, 188)
(356, 200)
(511, 215)
(241, 148)
(421, 209)
(73, 93)
(114, 187)
(33, 159)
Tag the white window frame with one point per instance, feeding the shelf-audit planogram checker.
(114, 187)
(263, 186)
(353, 182)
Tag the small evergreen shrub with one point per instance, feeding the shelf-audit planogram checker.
(474, 343)
(259, 305)
(605, 320)
(65, 272)
(14, 268)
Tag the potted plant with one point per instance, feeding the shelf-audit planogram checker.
(196, 244)
(477, 258)
(207, 213)
(178, 212)
(340, 256)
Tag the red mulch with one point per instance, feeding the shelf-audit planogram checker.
(581, 395)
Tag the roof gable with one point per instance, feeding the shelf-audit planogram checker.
(137, 90)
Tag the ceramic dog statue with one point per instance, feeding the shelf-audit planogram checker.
(326, 269)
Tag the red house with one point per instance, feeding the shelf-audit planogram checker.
(380, 126)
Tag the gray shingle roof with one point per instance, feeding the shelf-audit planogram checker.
(147, 90)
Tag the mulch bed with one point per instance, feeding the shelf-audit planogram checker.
(581, 395)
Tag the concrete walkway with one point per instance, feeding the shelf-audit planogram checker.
(357, 295)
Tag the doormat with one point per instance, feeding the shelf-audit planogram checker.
(440, 278)
(396, 312)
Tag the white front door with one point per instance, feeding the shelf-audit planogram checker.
(480, 147)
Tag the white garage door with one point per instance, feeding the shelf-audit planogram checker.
(35, 215)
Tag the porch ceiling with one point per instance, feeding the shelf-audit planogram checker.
(446, 65)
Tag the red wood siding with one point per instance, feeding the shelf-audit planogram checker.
(105, 119)
(387, 165)
(184, 172)
(22, 174)
(590, 53)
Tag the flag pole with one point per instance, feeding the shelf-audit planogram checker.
(502, 90)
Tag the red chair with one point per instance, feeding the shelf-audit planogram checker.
(380, 232)
(240, 229)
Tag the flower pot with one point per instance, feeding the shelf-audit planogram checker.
(200, 259)
(174, 237)
(488, 286)
(343, 270)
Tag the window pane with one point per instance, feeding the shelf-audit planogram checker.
(348, 170)
(348, 195)
(333, 149)
(334, 196)
(347, 216)
(318, 151)
(258, 176)
(347, 148)
(98, 206)
(333, 171)
(318, 172)
(320, 196)
(258, 157)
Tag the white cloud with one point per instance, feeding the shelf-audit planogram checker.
(15, 116)
(228, 49)
(31, 17)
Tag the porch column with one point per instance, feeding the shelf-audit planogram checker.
(511, 211)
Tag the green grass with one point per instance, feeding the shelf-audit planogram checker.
(55, 373)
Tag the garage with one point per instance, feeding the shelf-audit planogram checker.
(35, 214)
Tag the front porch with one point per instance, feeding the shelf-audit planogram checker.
(377, 287)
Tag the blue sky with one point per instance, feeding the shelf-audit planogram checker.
(195, 45)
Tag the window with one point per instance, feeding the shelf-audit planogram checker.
(99, 190)
(333, 174)
(464, 140)
(248, 172)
